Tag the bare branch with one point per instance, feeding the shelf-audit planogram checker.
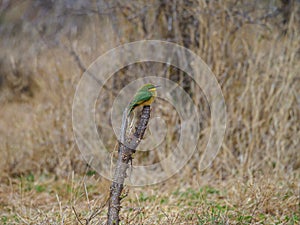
(126, 148)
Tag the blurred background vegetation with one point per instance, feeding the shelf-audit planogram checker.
(251, 46)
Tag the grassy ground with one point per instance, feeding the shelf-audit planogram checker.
(252, 49)
(78, 199)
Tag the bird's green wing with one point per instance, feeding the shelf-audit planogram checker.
(139, 98)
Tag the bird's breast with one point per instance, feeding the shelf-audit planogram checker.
(148, 102)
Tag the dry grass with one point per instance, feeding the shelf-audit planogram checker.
(47, 200)
(255, 56)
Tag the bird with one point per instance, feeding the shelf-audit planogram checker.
(144, 96)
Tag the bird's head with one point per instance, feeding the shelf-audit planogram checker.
(150, 87)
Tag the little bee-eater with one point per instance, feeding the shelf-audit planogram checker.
(144, 96)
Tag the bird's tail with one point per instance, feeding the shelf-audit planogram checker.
(130, 109)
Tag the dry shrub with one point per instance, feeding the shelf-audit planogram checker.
(251, 46)
(252, 51)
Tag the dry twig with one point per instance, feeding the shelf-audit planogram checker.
(127, 147)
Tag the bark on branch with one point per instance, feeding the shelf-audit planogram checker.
(127, 147)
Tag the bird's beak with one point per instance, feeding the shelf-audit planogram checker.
(156, 86)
